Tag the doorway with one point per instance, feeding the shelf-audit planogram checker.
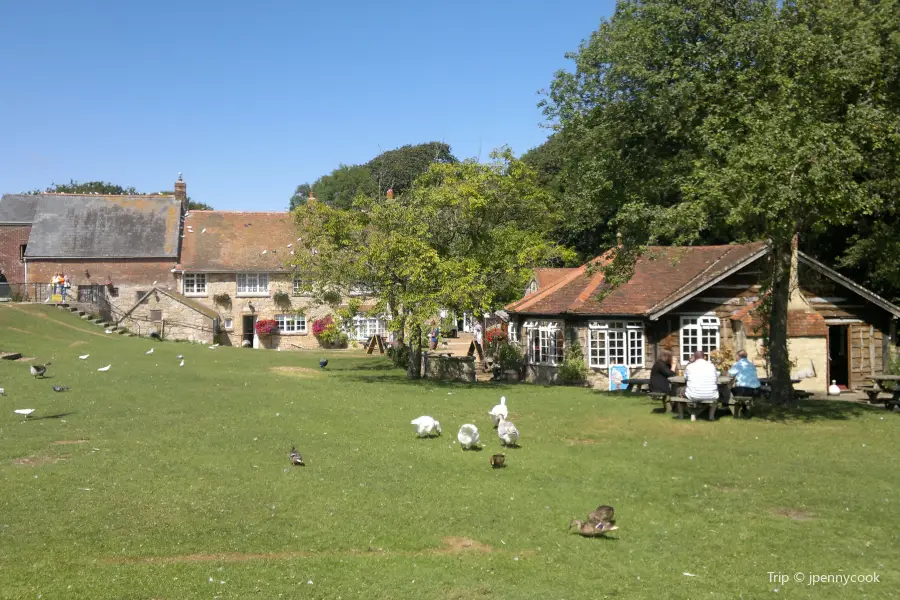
(838, 356)
(247, 330)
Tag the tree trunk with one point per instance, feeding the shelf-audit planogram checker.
(778, 343)
(414, 371)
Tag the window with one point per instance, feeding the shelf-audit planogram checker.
(156, 315)
(616, 343)
(253, 283)
(298, 287)
(360, 290)
(291, 323)
(532, 287)
(365, 327)
(699, 333)
(22, 248)
(139, 296)
(228, 323)
(545, 342)
(513, 331)
(195, 284)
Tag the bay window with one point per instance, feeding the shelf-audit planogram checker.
(615, 343)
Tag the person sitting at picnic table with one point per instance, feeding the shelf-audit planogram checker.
(660, 373)
(702, 381)
(746, 380)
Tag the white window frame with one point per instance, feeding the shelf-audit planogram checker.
(513, 331)
(228, 323)
(365, 327)
(291, 324)
(616, 343)
(359, 290)
(255, 285)
(296, 287)
(546, 351)
(191, 284)
(702, 328)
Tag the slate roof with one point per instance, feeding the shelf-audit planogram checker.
(662, 276)
(89, 226)
(235, 241)
(17, 208)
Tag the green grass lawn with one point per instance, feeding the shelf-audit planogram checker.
(158, 481)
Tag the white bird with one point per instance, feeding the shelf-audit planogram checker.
(154, 283)
(498, 411)
(468, 436)
(508, 433)
(24, 411)
(182, 364)
(180, 356)
(289, 245)
(109, 331)
(84, 356)
(106, 368)
(426, 426)
(150, 351)
(833, 389)
(204, 230)
(264, 251)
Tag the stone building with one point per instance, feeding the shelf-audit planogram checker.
(172, 316)
(702, 298)
(117, 247)
(234, 263)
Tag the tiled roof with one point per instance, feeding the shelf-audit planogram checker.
(548, 276)
(800, 323)
(662, 276)
(18, 208)
(223, 241)
(93, 226)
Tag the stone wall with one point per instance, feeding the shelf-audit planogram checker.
(178, 321)
(259, 307)
(12, 237)
(803, 350)
(449, 368)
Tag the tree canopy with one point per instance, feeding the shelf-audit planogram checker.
(109, 189)
(394, 169)
(699, 120)
(463, 237)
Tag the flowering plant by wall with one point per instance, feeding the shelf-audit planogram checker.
(320, 325)
(266, 326)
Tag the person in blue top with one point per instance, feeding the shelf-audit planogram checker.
(746, 381)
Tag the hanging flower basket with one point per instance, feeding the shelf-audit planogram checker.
(266, 326)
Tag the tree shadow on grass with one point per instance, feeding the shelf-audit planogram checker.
(56, 416)
(809, 411)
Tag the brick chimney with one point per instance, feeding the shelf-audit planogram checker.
(181, 192)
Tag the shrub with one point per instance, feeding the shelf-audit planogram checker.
(399, 355)
(509, 356)
(573, 369)
(328, 332)
(319, 325)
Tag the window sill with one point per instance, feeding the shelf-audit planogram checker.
(292, 333)
(196, 295)
(253, 294)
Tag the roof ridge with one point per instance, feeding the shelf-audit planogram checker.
(541, 294)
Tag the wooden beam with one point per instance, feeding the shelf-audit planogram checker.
(871, 350)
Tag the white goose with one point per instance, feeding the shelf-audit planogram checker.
(508, 433)
(426, 426)
(468, 436)
(498, 411)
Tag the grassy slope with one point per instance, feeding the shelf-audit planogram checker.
(192, 462)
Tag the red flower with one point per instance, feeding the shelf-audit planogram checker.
(266, 326)
(319, 325)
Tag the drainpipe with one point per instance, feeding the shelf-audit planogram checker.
(25, 262)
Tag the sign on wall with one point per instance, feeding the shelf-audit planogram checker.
(617, 376)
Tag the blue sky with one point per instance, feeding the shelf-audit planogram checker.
(249, 99)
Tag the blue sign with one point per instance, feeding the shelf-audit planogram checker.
(618, 374)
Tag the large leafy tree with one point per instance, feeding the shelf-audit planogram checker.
(463, 237)
(718, 121)
(394, 170)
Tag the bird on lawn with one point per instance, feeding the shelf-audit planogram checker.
(180, 356)
(587, 529)
(104, 369)
(84, 356)
(498, 461)
(323, 362)
(468, 436)
(155, 335)
(603, 514)
(426, 426)
(150, 351)
(498, 411)
(296, 457)
(182, 364)
(24, 411)
(507, 431)
(60, 388)
(38, 370)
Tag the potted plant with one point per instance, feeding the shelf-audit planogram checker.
(282, 299)
(329, 334)
(222, 299)
(266, 327)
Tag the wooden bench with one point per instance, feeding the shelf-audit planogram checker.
(693, 406)
(802, 394)
(660, 396)
(872, 392)
(741, 406)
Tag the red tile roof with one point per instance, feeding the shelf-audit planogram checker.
(236, 241)
(548, 276)
(663, 275)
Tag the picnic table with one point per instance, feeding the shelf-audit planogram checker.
(636, 384)
(877, 387)
(678, 385)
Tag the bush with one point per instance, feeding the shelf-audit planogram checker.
(509, 356)
(573, 369)
(328, 333)
(399, 355)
